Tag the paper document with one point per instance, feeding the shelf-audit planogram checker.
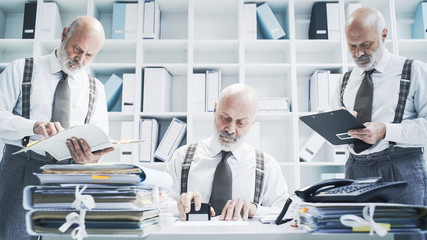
(93, 135)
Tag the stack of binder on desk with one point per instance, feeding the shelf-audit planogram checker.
(99, 199)
(381, 217)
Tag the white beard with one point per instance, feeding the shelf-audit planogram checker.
(228, 146)
(374, 59)
(64, 60)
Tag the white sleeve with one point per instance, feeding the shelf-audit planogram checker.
(275, 189)
(13, 126)
(174, 167)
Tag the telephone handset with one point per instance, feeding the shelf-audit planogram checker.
(347, 190)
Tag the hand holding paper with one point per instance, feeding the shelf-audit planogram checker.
(56, 145)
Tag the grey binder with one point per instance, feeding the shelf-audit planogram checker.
(334, 125)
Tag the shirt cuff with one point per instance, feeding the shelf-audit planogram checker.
(26, 127)
(262, 211)
(393, 132)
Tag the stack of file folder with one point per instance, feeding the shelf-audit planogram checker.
(118, 199)
(395, 218)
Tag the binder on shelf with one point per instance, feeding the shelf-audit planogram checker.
(311, 147)
(319, 99)
(2, 24)
(323, 21)
(333, 16)
(249, 11)
(334, 81)
(351, 7)
(128, 92)
(130, 20)
(51, 26)
(148, 130)
(113, 88)
(340, 154)
(126, 152)
(269, 26)
(273, 105)
(199, 86)
(157, 90)
(151, 25)
(171, 140)
(213, 88)
(419, 27)
(252, 137)
(29, 26)
(119, 21)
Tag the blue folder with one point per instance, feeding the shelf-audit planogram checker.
(113, 88)
(269, 26)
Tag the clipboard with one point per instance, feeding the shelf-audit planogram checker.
(334, 125)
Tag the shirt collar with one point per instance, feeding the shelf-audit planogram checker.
(215, 148)
(55, 67)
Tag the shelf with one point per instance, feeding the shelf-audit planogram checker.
(120, 116)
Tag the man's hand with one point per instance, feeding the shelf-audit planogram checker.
(236, 208)
(81, 153)
(47, 129)
(373, 133)
(184, 204)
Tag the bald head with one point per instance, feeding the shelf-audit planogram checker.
(88, 25)
(242, 96)
(365, 19)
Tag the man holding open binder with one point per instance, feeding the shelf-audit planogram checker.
(388, 94)
(237, 180)
(38, 98)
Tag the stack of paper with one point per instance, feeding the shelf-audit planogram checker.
(118, 199)
(330, 217)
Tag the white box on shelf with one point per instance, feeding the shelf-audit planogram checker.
(273, 105)
(319, 91)
(171, 140)
(149, 131)
(151, 20)
(249, 11)
(333, 15)
(311, 147)
(157, 90)
(213, 88)
(126, 151)
(50, 24)
(351, 7)
(128, 92)
(340, 153)
(130, 20)
(199, 86)
(253, 136)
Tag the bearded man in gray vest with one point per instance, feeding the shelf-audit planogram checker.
(38, 98)
(236, 179)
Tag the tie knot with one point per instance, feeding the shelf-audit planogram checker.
(63, 75)
(225, 155)
(369, 72)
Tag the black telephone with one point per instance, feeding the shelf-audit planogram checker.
(347, 190)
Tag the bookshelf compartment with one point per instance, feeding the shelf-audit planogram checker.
(173, 19)
(267, 52)
(164, 51)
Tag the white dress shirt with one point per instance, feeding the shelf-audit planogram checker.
(243, 164)
(412, 132)
(46, 75)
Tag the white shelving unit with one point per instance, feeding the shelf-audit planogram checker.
(197, 35)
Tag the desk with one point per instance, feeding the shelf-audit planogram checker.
(251, 230)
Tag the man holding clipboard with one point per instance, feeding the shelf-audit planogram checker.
(388, 95)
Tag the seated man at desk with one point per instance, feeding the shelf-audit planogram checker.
(236, 179)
